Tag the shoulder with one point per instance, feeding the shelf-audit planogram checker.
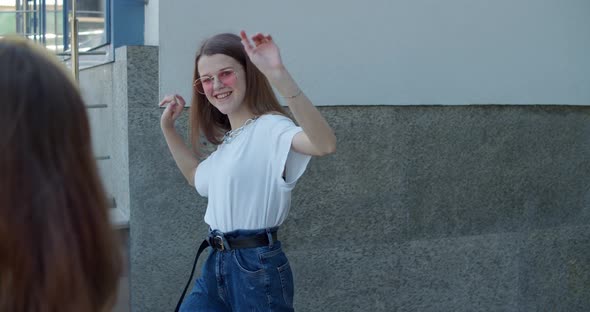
(210, 154)
(274, 118)
(274, 126)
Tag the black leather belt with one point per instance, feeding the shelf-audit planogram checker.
(216, 242)
(260, 240)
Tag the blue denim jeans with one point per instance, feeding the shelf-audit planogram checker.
(249, 279)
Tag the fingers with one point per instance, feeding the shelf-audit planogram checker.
(170, 109)
(243, 35)
(258, 39)
(174, 106)
(173, 110)
(246, 42)
(176, 110)
(172, 99)
(166, 100)
(180, 100)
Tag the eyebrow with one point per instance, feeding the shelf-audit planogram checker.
(208, 74)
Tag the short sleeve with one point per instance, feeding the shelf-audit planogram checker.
(285, 158)
(202, 173)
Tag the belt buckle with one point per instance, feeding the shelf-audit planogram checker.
(219, 240)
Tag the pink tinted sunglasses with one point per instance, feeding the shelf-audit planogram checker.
(204, 84)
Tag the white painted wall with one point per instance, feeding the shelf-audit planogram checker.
(152, 19)
(352, 52)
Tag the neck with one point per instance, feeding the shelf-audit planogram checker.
(237, 119)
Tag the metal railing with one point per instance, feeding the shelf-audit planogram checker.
(50, 23)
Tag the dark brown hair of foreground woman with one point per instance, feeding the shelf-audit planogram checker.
(58, 251)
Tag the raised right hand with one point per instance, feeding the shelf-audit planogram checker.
(174, 106)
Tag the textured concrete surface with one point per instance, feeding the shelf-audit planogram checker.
(555, 270)
(469, 273)
(422, 208)
(478, 208)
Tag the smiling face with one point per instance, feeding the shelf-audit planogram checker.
(223, 80)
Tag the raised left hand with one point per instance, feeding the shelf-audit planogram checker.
(264, 53)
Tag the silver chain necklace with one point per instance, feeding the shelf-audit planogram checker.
(231, 134)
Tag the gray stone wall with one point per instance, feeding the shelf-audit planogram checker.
(422, 208)
(442, 208)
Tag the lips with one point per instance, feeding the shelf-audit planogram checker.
(223, 95)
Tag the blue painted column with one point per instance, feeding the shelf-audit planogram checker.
(127, 26)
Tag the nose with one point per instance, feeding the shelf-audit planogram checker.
(217, 83)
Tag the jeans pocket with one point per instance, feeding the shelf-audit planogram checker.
(270, 255)
(247, 261)
(287, 282)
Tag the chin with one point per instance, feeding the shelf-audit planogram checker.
(225, 109)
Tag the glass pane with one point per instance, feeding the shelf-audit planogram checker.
(29, 19)
(7, 22)
(91, 24)
(54, 15)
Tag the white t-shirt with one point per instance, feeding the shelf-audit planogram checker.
(243, 179)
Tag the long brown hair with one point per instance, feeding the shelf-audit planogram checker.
(58, 251)
(259, 98)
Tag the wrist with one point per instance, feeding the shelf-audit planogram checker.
(292, 95)
(277, 74)
(284, 83)
(167, 127)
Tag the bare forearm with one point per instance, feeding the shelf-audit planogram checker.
(307, 115)
(182, 155)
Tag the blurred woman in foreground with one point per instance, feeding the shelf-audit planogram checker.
(58, 251)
